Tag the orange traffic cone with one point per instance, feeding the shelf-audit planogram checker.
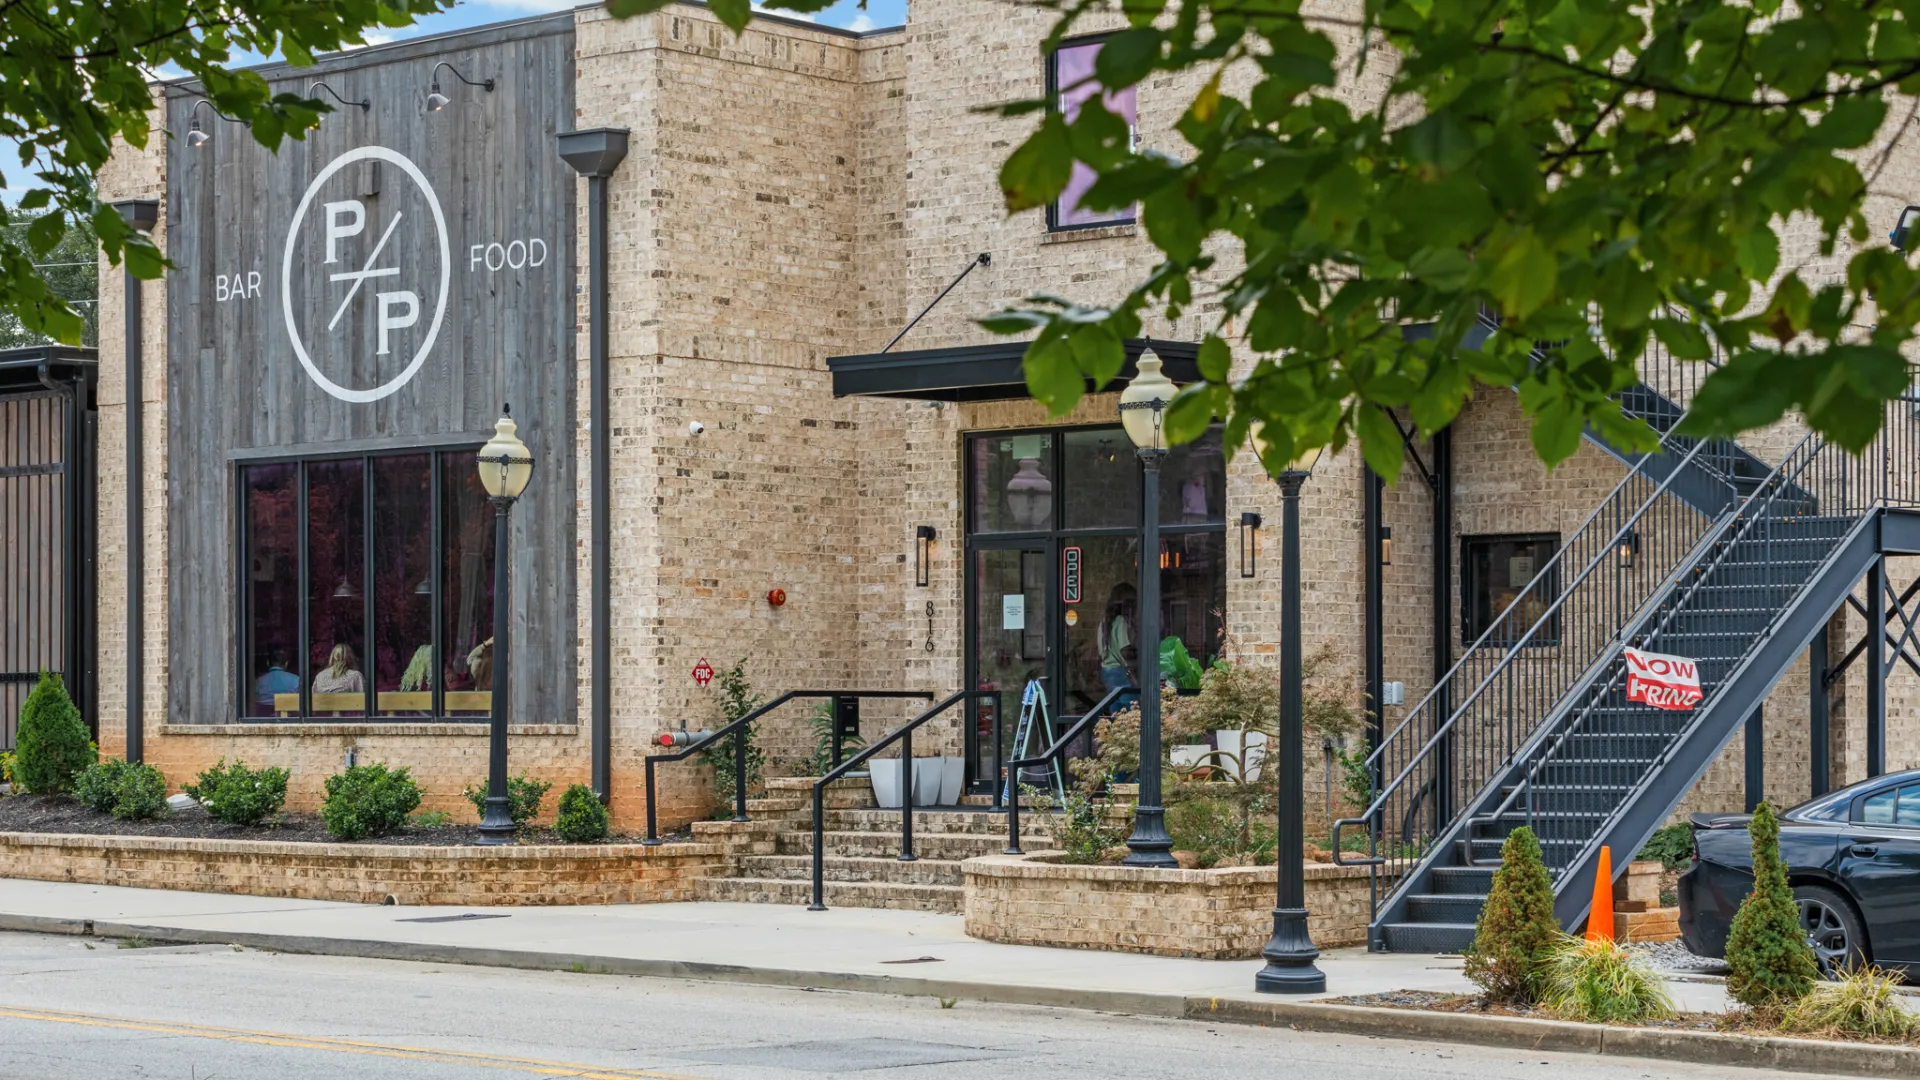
(1600, 916)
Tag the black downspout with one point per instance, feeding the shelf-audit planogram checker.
(594, 153)
(1443, 614)
(1876, 657)
(1756, 753)
(1817, 714)
(1371, 487)
(143, 215)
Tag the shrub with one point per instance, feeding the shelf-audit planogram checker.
(1517, 929)
(51, 745)
(1601, 982)
(582, 818)
(1861, 1003)
(1671, 846)
(737, 699)
(431, 819)
(369, 800)
(820, 724)
(128, 791)
(1770, 965)
(524, 797)
(238, 795)
(1080, 830)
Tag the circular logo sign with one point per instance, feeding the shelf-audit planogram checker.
(363, 292)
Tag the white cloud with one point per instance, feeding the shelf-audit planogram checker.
(860, 23)
(801, 16)
(526, 6)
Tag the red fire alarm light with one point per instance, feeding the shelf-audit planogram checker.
(777, 597)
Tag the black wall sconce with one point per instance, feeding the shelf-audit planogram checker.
(1629, 549)
(923, 537)
(1903, 227)
(364, 105)
(197, 136)
(1249, 543)
(1386, 545)
(437, 100)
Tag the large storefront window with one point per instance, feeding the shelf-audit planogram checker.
(367, 588)
(1054, 569)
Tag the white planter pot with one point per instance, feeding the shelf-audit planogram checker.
(926, 781)
(953, 773)
(886, 782)
(1248, 760)
(1187, 757)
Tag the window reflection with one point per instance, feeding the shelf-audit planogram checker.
(466, 588)
(402, 658)
(270, 494)
(1012, 483)
(336, 576)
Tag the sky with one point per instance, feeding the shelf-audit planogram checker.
(467, 13)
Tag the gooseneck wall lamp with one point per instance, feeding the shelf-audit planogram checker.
(197, 136)
(364, 104)
(437, 100)
(506, 465)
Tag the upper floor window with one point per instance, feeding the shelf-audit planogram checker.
(1497, 571)
(1070, 83)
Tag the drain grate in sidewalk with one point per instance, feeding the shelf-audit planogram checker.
(455, 918)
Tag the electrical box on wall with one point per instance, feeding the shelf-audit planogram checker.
(1393, 693)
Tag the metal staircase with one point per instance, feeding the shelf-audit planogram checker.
(1696, 552)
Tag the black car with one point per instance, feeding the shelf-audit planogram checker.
(1853, 858)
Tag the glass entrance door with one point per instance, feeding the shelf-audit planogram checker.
(1013, 644)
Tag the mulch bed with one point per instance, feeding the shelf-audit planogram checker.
(60, 814)
(1732, 1023)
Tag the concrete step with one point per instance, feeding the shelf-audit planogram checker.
(840, 868)
(942, 899)
(980, 823)
(886, 845)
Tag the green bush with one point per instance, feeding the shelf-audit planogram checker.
(51, 745)
(1770, 965)
(1860, 1003)
(737, 699)
(369, 800)
(128, 791)
(582, 818)
(524, 797)
(1600, 982)
(820, 724)
(1672, 847)
(238, 795)
(1080, 830)
(1517, 931)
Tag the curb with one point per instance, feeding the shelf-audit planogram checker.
(1695, 1047)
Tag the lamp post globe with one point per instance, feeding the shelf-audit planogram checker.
(1290, 954)
(1143, 411)
(506, 466)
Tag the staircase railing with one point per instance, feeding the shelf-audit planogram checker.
(738, 730)
(903, 736)
(1788, 518)
(1471, 724)
(1055, 750)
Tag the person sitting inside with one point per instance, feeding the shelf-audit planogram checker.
(276, 680)
(339, 677)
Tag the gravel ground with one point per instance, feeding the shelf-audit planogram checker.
(1429, 1001)
(1673, 956)
(60, 814)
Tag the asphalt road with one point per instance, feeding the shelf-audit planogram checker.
(203, 1012)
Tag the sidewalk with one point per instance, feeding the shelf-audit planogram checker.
(892, 952)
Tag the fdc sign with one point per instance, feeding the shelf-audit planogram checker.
(1662, 681)
(349, 245)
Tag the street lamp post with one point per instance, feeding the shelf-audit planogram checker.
(1143, 407)
(1290, 954)
(505, 467)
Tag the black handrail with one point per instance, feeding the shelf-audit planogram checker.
(738, 730)
(904, 737)
(1059, 746)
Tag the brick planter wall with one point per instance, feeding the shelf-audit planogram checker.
(1207, 914)
(369, 873)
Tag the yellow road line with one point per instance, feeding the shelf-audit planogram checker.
(535, 1066)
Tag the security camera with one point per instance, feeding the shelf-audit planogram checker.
(696, 428)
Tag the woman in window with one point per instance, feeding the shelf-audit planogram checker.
(340, 676)
(1117, 652)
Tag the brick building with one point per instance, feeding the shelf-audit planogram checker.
(315, 576)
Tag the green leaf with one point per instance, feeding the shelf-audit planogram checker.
(1850, 123)
(1215, 360)
(1098, 352)
(1053, 378)
(1014, 322)
(1523, 276)
(1190, 412)
(1758, 252)
(1683, 339)
(735, 13)
(1127, 57)
(1037, 171)
(1381, 443)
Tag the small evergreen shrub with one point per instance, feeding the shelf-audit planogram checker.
(582, 818)
(1672, 846)
(95, 785)
(1770, 965)
(524, 797)
(737, 699)
(51, 745)
(127, 791)
(1860, 1003)
(238, 795)
(369, 800)
(1600, 982)
(1080, 830)
(1517, 930)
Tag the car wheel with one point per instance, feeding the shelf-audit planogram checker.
(1834, 931)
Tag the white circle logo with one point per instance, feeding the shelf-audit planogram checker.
(395, 309)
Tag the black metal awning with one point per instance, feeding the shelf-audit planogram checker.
(20, 368)
(980, 372)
